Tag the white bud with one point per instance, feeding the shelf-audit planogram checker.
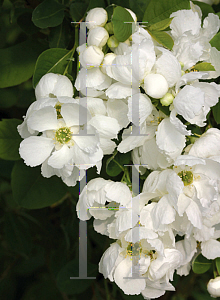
(92, 57)
(96, 17)
(213, 287)
(134, 17)
(167, 99)
(155, 85)
(106, 64)
(97, 37)
(53, 85)
(113, 42)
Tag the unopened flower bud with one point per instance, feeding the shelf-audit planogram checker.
(92, 57)
(134, 17)
(113, 42)
(96, 17)
(167, 99)
(109, 28)
(155, 85)
(213, 287)
(97, 37)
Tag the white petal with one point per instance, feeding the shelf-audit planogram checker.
(74, 114)
(189, 102)
(120, 91)
(106, 126)
(61, 157)
(163, 213)
(129, 286)
(87, 143)
(178, 124)
(118, 109)
(74, 177)
(107, 262)
(145, 108)
(151, 293)
(43, 119)
(210, 249)
(118, 192)
(35, 150)
(194, 215)
(211, 26)
(189, 160)
(166, 62)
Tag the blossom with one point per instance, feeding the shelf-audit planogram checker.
(96, 17)
(213, 287)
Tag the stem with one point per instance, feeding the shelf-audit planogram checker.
(73, 50)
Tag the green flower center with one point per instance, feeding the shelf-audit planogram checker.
(186, 176)
(134, 249)
(58, 109)
(63, 135)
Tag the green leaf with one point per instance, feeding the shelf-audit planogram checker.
(77, 10)
(160, 25)
(122, 30)
(115, 164)
(59, 36)
(48, 14)
(25, 23)
(139, 7)
(8, 97)
(162, 38)
(201, 264)
(31, 190)
(204, 66)
(17, 62)
(74, 286)
(216, 112)
(9, 139)
(217, 261)
(51, 61)
(206, 8)
(96, 3)
(215, 41)
(17, 234)
(158, 10)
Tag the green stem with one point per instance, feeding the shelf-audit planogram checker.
(73, 50)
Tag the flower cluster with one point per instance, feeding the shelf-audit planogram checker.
(153, 99)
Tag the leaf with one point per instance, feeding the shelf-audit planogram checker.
(122, 30)
(216, 112)
(51, 61)
(115, 164)
(215, 41)
(204, 66)
(77, 11)
(31, 190)
(139, 7)
(59, 36)
(201, 264)
(17, 234)
(160, 25)
(8, 97)
(162, 38)
(24, 21)
(17, 62)
(48, 14)
(158, 10)
(74, 286)
(217, 261)
(9, 139)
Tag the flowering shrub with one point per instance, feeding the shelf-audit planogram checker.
(126, 112)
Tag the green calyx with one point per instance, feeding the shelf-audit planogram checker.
(63, 135)
(186, 176)
(58, 109)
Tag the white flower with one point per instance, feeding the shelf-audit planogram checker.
(53, 85)
(96, 17)
(97, 36)
(61, 140)
(213, 287)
